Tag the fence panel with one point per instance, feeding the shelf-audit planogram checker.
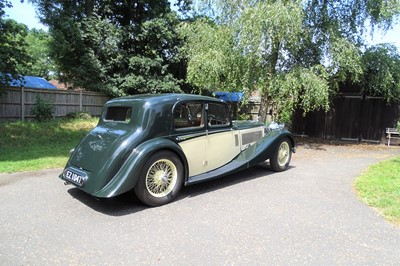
(16, 104)
(351, 117)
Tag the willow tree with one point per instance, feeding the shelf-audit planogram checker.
(295, 52)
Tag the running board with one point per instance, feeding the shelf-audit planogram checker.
(227, 169)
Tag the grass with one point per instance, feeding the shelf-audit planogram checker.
(27, 146)
(379, 187)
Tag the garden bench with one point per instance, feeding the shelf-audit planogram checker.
(392, 133)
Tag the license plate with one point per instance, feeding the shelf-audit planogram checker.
(74, 177)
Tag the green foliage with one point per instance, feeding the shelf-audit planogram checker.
(398, 126)
(22, 51)
(27, 146)
(255, 47)
(300, 87)
(379, 187)
(13, 55)
(383, 12)
(296, 52)
(42, 109)
(119, 47)
(41, 65)
(210, 48)
(382, 72)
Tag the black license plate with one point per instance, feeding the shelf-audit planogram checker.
(74, 177)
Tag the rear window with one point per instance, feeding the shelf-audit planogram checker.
(118, 114)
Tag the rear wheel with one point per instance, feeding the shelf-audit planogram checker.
(160, 180)
(280, 160)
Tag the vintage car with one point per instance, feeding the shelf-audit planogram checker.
(154, 144)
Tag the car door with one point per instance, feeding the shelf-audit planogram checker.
(190, 133)
(222, 142)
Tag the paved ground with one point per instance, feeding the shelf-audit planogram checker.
(309, 214)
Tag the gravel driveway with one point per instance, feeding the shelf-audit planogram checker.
(309, 214)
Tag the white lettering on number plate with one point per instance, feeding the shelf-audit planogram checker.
(74, 178)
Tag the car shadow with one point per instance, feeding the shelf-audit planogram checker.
(120, 205)
(128, 203)
(255, 172)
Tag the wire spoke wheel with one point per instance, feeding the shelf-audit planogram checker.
(161, 178)
(280, 160)
(283, 154)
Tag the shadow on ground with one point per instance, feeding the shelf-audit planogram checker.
(128, 203)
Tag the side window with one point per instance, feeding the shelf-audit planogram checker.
(218, 115)
(188, 115)
(118, 114)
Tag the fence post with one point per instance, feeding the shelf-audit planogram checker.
(23, 104)
(80, 101)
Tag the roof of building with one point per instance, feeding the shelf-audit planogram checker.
(33, 82)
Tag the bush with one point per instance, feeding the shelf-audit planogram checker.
(398, 126)
(42, 110)
(78, 115)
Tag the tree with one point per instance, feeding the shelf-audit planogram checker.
(295, 52)
(381, 75)
(13, 55)
(122, 47)
(41, 64)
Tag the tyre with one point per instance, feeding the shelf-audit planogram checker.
(280, 160)
(160, 180)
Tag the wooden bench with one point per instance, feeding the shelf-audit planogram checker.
(392, 133)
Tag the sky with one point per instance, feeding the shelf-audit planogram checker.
(25, 13)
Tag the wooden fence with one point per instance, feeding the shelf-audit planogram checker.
(16, 103)
(351, 117)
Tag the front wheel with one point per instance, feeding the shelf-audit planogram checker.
(160, 180)
(280, 160)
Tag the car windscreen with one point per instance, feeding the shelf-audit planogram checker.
(118, 114)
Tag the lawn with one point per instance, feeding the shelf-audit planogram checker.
(379, 187)
(26, 146)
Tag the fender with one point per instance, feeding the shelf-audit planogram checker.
(267, 145)
(125, 179)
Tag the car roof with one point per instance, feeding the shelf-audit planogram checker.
(167, 98)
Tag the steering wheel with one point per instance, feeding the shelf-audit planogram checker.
(210, 118)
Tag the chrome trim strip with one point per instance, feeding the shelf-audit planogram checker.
(190, 136)
(213, 131)
(200, 134)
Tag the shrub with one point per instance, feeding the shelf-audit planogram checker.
(42, 109)
(79, 115)
(398, 126)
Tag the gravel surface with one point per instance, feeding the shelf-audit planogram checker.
(309, 214)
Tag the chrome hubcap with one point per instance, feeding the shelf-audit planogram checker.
(161, 178)
(283, 153)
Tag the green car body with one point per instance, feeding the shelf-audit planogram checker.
(195, 130)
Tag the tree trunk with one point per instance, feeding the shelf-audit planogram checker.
(264, 107)
(89, 7)
(265, 96)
